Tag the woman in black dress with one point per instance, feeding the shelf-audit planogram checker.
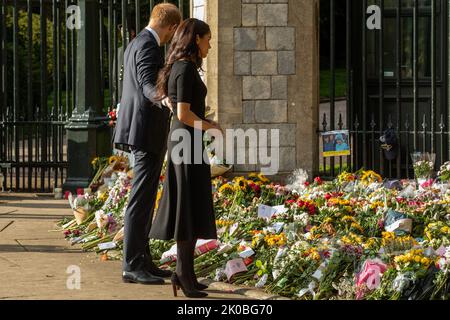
(186, 211)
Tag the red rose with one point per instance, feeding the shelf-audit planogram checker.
(318, 180)
(255, 187)
(306, 183)
(328, 196)
(80, 191)
(112, 114)
(66, 195)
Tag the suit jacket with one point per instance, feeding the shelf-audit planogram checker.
(142, 122)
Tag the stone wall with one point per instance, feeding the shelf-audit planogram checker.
(263, 73)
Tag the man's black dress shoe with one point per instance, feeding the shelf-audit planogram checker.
(142, 277)
(155, 271)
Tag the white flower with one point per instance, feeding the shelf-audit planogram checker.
(402, 281)
(297, 180)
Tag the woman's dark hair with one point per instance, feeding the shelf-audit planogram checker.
(183, 47)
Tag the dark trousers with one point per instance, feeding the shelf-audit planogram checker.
(139, 213)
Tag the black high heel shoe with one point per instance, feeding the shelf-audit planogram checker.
(190, 293)
(198, 285)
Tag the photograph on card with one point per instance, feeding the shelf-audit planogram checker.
(336, 143)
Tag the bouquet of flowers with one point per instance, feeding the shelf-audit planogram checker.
(219, 166)
(423, 164)
(112, 116)
(444, 172)
(81, 206)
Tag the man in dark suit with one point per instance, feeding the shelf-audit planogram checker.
(143, 126)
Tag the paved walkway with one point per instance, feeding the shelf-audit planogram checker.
(34, 260)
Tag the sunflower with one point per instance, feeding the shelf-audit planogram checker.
(226, 188)
(370, 176)
(241, 182)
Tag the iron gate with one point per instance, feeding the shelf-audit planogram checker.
(396, 77)
(38, 81)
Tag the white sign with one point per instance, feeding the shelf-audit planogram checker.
(248, 252)
(265, 211)
(402, 224)
(268, 211)
(233, 228)
(280, 209)
(107, 245)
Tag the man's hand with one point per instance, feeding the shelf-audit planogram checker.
(166, 103)
(216, 125)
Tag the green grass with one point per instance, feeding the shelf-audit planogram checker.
(341, 83)
(337, 166)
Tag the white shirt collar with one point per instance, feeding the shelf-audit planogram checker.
(155, 34)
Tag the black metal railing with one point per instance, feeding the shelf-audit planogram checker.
(38, 81)
(396, 77)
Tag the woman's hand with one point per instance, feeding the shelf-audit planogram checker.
(166, 102)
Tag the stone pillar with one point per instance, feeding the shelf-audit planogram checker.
(87, 133)
(263, 73)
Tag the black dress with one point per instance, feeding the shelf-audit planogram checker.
(185, 210)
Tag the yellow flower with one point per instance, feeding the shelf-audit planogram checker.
(328, 220)
(444, 229)
(370, 177)
(103, 196)
(225, 188)
(158, 197)
(357, 226)
(263, 178)
(388, 235)
(348, 219)
(94, 162)
(112, 159)
(371, 243)
(376, 204)
(346, 177)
